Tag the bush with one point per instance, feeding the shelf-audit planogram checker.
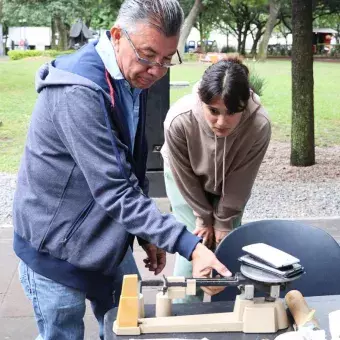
(55, 53)
(19, 54)
(335, 51)
(190, 57)
(257, 83)
(228, 49)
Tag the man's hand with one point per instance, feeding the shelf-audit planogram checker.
(156, 259)
(206, 233)
(203, 262)
(220, 235)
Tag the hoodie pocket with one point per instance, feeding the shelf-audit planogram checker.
(78, 221)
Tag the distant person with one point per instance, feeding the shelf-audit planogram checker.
(327, 43)
(26, 45)
(215, 140)
(21, 44)
(333, 43)
(333, 40)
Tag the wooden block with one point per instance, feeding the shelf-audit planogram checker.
(130, 286)
(163, 305)
(265, 317)
(240, 305)
(260, 316)
(221, 322)
(259, 320)
(176, 292)
(191, 287)
(125, 330)
(128, 311)
(282, 318)
(141, 313)
(175, 279)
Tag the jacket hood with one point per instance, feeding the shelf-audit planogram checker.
(49, 75)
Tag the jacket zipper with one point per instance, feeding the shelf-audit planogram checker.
(79, 220)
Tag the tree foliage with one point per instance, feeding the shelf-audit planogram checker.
(30, 14)
(60, 15)
(242, 18)
(238, 17)
(323, 11)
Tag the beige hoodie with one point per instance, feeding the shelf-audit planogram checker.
(215, 175)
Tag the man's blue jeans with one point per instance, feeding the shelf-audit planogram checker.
(59, 310)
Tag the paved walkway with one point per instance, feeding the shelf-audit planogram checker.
(16, 318)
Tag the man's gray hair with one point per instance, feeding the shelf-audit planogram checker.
(168, 14)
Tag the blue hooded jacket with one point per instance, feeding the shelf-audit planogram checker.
(81, 193)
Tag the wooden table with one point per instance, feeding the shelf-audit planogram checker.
(323, 305)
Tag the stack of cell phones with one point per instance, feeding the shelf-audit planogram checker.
(271, 260)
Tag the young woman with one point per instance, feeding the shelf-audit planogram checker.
(215, 141)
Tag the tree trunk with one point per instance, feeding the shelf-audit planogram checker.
(286, 40)
(201, 30)
(254, 47)
(1, 31)
(302, 142)
(244, 39)
(61, 28)
(239, 37)
(1, 43)
(188, 24)
(239, 41)
(54, 31)
(274, 8)
(256, 41)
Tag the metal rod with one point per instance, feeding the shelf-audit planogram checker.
(199, 282)
(152, 283)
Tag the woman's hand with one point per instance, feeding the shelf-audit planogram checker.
(220, 235)
(206, 233)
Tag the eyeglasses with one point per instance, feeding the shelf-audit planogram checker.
(147, 62)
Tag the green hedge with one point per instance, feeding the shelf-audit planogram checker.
(19, 54)
(188, 57)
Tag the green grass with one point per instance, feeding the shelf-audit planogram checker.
(17, 97)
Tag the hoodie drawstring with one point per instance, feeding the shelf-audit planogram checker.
(223, 173)
(223, 162)
(215, 187)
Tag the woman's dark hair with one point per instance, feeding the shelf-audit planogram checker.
(229, 80)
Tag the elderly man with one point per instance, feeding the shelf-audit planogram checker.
(82, 191)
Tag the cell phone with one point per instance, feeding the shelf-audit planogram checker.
(269, 255)
(287, 272)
